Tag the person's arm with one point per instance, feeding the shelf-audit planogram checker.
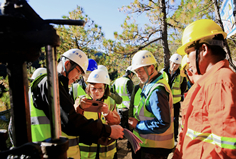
(71, 123)
(129, 87)
(71, 92)
(113, 117)
(159, 107)
(116, 97)
(221, 115)
(131, 107)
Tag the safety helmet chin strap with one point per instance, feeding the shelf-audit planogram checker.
(197, 46)
(145, 68)
(63, 64)
(144, 85)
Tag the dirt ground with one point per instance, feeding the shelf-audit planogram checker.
(125, 153)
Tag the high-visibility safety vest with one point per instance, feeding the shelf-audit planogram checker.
(121, 89)
(40, 126)
(77, 90)
(90, 151)
(137, 100)
(175, 88)
(166, 139)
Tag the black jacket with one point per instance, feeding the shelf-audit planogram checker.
(183, 85)
(72, 124)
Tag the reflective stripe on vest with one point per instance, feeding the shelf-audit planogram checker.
(88, 151)
(223, 142)
(94, 149)
(40, 126)
(163, 140)
(39, 120)
(175, 88)
(121, 89)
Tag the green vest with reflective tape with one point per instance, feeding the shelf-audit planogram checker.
(90, 151)
(175, 88)
(121, 89)
(163, 140)
(137, 99)
(40, 125)
(77, 90)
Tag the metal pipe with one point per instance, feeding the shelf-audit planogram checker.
(53, 93)
(18, 83)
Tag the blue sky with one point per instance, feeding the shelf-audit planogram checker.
(104, 12)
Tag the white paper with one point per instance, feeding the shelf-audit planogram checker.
(133, 139)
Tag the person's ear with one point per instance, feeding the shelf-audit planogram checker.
(205, 49)
(152, 68)
(67, 64)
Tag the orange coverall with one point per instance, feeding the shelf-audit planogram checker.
(209, 116)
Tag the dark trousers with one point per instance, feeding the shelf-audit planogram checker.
(151, 153)
(176, 119)
(124, 117)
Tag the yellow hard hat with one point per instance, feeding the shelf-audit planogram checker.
(198, 30)
(184, 66)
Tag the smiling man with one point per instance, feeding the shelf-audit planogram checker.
(208, 111)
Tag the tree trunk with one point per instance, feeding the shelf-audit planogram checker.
(164, 34)
(219, 21)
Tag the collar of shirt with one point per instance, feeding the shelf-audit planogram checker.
(209, 73)
(64, 81)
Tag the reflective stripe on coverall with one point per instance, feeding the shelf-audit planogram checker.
(208, 116)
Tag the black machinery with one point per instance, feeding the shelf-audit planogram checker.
(22, 34)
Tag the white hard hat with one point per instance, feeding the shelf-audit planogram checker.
(77, 56)
(99, 76)
(142, 58)
(129, 68)
(102, 67)
(38, 72)
(176, 58)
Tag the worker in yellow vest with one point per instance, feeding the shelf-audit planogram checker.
(73, 63)
(124, 87)
(78, 88)
(178, 85)
(98, 90)
(153, 120)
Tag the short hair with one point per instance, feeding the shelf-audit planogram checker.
(73, 64)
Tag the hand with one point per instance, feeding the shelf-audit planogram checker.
(77, 102)
(133, 122)
(82, 102)
(116, 132)
(104, 109)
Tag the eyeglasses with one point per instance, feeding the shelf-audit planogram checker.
(99, 89)
(79, 72)
(141, 70)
